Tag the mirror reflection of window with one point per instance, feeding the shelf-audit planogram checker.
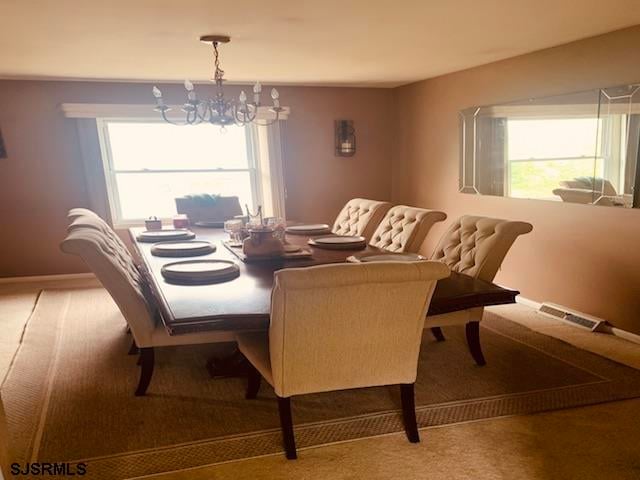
(579, 148)
(541, 153)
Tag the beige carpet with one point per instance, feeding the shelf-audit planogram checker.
(69, 394)
(15, 312)
(590, 443)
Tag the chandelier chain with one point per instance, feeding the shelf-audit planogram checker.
(218, 73)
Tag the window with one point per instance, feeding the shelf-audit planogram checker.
(543, 152)
(149, 163)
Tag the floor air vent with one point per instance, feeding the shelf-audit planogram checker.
(575, 318)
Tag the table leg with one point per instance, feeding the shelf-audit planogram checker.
(234, 365)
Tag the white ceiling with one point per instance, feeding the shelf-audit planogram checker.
(322, 42)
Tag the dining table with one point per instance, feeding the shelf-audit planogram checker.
(244, 302)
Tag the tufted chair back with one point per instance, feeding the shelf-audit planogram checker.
(81, 212)
(476, 246)
(113, 266)
(360, 217)
(335, 327)
(97, 223)
(404, 228)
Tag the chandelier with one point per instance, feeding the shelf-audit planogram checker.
(219, 110)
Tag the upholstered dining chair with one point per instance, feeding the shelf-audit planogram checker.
(403, 229)
(337, 327)
(360, 217)
(208, 208)
(114, 267)
(475, 246)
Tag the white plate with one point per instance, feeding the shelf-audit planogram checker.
(339, 240)
(181, 248)
(165, 234)
(308, 229)
(200, 271)
(392, 257)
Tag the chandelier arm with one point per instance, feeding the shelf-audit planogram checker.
(266, 123)
(168, 120)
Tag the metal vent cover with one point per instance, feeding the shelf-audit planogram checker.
(575, 318)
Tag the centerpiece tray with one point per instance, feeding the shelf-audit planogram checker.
(301, 253)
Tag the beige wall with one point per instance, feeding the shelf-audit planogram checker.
(581, 256)
(43, 176)
(584, 257)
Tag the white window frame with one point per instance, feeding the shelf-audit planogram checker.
(110, 173)
(508, 161)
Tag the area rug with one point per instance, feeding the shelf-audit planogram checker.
(69, 394)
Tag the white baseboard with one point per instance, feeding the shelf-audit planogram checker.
(48, 278)
(618, 332)
(527, 302)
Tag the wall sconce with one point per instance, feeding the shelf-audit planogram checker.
(345, 138)
(3, 150)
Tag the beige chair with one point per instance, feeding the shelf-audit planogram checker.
(208, 208)
(403, 229)
(114, 267)
(360, 217)
(336, 327)
(475, 246)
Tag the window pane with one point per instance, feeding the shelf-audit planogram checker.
(538, 179)
(146, 194)
(160, 146)
(552, 138)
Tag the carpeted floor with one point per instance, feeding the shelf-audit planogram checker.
(69, 393)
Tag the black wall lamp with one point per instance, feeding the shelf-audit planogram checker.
(345, 138)
(3, 150)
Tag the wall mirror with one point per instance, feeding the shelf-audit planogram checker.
(579, 148)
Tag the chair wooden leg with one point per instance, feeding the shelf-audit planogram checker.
(286, 424)
(437, 333)
(253, 383)
(147, 358)
(473, 340)
(133, 350)
(409, 412)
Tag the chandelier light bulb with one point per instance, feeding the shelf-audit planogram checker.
(243, 97)
(276, 98)
(257, 88)
(191, 95)
(156, 92)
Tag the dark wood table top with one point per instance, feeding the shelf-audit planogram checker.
(244, 302)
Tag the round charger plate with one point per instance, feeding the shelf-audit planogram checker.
(387, 257)
(165, 235)
(210, 224)
(314, 229)
(191, 272)
(339, 242)
(179, 248)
